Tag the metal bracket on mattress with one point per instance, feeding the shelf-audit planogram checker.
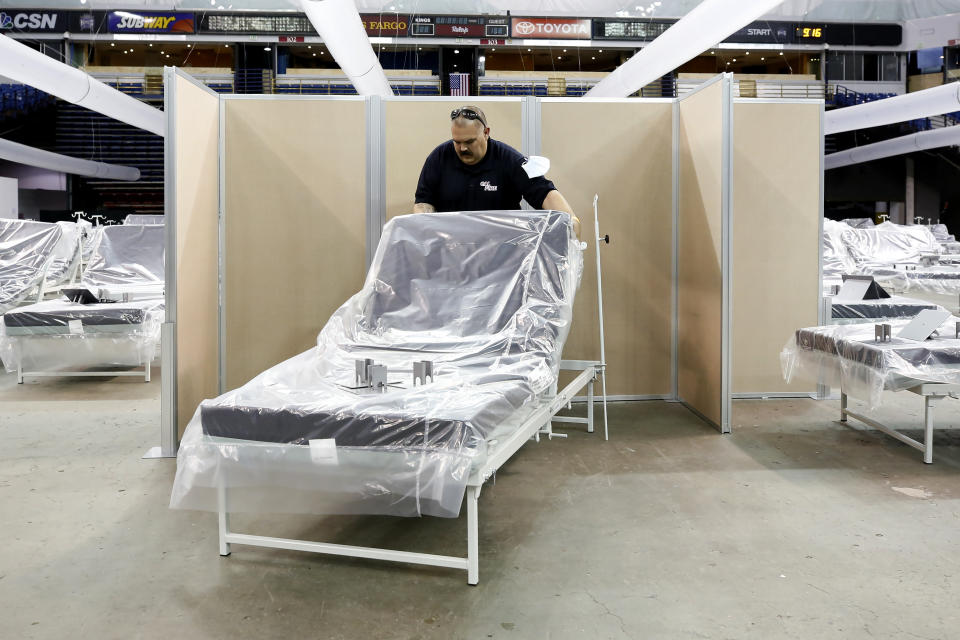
(422, 370)
(882, 333)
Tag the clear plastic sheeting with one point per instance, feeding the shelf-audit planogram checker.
(144, 218)
(91, 240)
(128, 257)
(486, 297)
(26, 250)
(888, 244)
(941, 233)
(837, 260)
(858, 223)
(59, 335)
(65, 260)
(848, 356)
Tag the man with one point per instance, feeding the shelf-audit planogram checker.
(474, 172)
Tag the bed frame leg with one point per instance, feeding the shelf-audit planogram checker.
(224, 520)
(146, 373)
(590, 406)
(473, 560)
(843, 406)
(928, 403)
(19, 374)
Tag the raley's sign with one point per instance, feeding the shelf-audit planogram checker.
(551, 28)
(385, 25)
(150, 22)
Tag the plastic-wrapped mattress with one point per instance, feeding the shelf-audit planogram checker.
(58, 335)
(486, 296)
(849, 312)
(26, 251)
(848, 356)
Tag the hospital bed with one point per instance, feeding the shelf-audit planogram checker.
(864, 363)
(111, 319)
(419, 388)
(64, 266)
(26, 251)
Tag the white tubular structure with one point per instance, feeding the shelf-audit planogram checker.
(21, 63)
(338, 23)
(707, 24)
(603, 350)
(21, 153)
(932, 139)
(910, 106)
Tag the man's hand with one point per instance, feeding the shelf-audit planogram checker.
(556, 202)
(424, 207)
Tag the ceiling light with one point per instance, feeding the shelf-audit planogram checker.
(601, 50)
(314, 55)
(266, 48)
(559, 58)
(712, 52)
(734, 59)
(762, 58)
(528, 49)
(309, 47)
(593, 57)
(456, 50)
(150, 44)
(781, 53)
(564, 50)
(112, 44)
(746, 53)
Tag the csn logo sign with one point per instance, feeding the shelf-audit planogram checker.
(25, 21)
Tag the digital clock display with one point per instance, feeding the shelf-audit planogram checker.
(805, 34)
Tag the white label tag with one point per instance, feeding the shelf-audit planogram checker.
(75, 326)
(323, 451)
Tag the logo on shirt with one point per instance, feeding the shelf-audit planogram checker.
(487, 186)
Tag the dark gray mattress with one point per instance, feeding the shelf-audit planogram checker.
(93, 315)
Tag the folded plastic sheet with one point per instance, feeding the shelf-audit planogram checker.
(487, 297)
(941, 279)
(848, 356)
(26, 250)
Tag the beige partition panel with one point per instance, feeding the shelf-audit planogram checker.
(700, 351)
(415, 127)
(196, 113)
(776, 237)
(623, 152)
(294, 224)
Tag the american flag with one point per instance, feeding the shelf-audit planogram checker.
(459, 84)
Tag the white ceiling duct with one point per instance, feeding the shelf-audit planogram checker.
(21, 63)
(23, 154)
(338, 23)
(909, 106)
(706, 25)
(932, 139)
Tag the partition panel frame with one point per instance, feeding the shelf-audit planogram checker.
(821, 392)
(726, 212)
(224, 98)
(169, 392)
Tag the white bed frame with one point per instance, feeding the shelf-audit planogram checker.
(539, 422)
(931, 394)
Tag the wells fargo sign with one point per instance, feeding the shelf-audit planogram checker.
(385, 24)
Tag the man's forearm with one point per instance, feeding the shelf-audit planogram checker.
(556, 202)
(424, 207)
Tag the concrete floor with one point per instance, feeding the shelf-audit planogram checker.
(792, 527)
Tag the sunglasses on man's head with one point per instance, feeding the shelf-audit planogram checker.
(469, 114)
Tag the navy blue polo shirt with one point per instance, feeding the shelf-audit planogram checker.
(495, 183)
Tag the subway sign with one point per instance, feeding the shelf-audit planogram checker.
(35, 21)
(150, 22)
